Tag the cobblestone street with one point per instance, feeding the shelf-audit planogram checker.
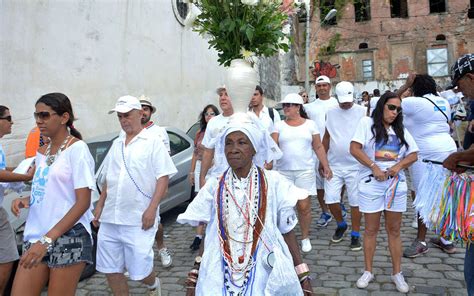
(335, 268)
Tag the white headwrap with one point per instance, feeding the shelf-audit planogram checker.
(266, 149)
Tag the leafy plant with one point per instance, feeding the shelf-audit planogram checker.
(237, 30)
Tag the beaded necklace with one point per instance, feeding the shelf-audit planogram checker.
(51, 158)
(232, 217)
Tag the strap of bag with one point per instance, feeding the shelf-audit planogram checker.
(447, 119)
(272, 115)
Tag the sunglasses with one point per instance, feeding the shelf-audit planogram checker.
(43, 115)
(289, 105)
(7, 118)
(393, 108)
(209, 114)
(304, 96)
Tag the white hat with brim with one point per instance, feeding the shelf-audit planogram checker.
(323, 79)
(292, 99)
(345, 92)
(126, 104)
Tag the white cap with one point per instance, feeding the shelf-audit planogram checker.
(126, 104)
(292, 99)
(323, 79)
(345, 92)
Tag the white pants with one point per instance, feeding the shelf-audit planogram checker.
(124, 246)
(319, 178)
(419, 167)
(333, 187)
(305, 179)
(197, 173)
(372, 195)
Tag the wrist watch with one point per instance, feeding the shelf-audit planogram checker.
(197, 260)
(47, 241)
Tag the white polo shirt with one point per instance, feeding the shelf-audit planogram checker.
(317, 110)
(266, 120)
(146, 161)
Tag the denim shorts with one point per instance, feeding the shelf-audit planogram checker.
(74, 246)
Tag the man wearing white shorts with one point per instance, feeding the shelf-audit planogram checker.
(316, 111)
(341, 123)
(137, 172)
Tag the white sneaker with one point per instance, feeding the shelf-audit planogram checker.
(364, 280)
(306, 245)
(399, 281)
(414, 223)
(165, 257)
(155, 291)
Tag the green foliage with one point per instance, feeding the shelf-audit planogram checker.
(232, 26)
(331, 47)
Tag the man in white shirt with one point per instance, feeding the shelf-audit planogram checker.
(148, 110)
(316, 111)
(341, 124)
(268, 116)
(211, 167)
(374, 100)
(137, 172)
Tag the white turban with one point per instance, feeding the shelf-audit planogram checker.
(266, 149)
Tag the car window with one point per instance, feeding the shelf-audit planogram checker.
(99, 151)
(177, 143)
(193, 130)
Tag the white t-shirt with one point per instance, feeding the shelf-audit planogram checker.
(52, 191)
(317, 110)
(341, 125)
(296, 143)
(216, 125)
(384, 155)
(427, 124)
(146, 161)
(266, 120)
(373, 103)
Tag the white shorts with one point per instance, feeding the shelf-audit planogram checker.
(197, 173)
(305, 179)
(319, 178)
(124, 246)
(372, 199)
(419, 167)
(333, 187)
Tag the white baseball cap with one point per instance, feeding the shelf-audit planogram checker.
(323, 79)
(345, 92)
(126, 104)
(292, 99)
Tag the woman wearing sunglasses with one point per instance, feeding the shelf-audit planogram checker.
(298, 138)
(384, 148)
(9, 180)
(57, 237)
(207, 113)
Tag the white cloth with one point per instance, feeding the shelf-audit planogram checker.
(161, 132)
(197, 174)
(332, 188)
(121, 247)
(372, 199)
(317, 110)
(427, 124)
(373, 104)
(296, 143)
(341, 125)
(214, 127)
(385, 155)
(280, 218)
(147, 161)
(418, 169)
(53, 189)
(16, 186)
(305, 179)
(266, 120)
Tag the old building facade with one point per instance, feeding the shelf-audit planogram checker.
(375, 44)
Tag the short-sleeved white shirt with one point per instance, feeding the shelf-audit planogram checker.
(387, 155)
(161, 132)
(373, 103)
(427, 124)
(216, 125)
(317, 111)
(53, 189)
(296, 143)
(266, 120)
(341, 125)
(146, 161)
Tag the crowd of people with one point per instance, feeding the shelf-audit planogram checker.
(254, 175)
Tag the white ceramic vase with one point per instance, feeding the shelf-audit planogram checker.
(241, 81)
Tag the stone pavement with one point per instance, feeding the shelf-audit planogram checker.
(335, 268)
